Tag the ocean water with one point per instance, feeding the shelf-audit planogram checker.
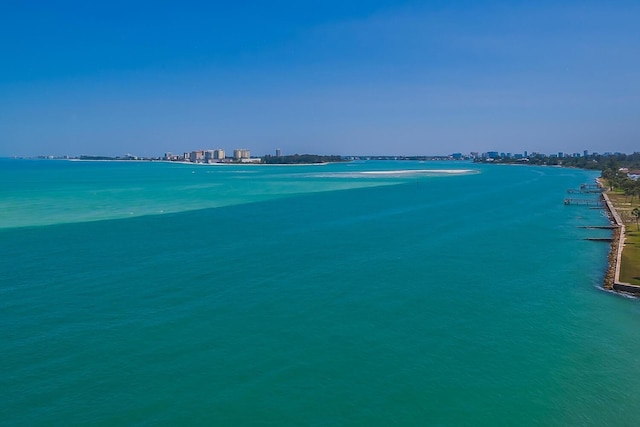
(364, 293)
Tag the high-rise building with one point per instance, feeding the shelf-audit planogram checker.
(278, 152)
(218, 154)
(241, 153)
(197, 156)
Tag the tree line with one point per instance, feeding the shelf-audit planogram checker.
(300, 159)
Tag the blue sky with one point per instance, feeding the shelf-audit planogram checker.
(327, 77)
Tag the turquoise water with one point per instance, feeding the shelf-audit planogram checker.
(345, 294)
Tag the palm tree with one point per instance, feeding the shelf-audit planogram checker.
(630, 189)
(636, 212)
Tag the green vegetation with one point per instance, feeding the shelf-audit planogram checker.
(300, 159)
(630, 263)
(619, 182)
(98, 158)
(636, 213)
(593, 161)
(602, 162)
(628, 211)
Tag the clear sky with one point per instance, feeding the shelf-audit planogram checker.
(326, 77)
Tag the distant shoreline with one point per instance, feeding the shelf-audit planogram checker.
(248, 161)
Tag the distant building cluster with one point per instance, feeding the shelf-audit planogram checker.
(241, 155)
(496, 155)
(526, 156)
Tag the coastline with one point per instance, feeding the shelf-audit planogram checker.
(612, 277)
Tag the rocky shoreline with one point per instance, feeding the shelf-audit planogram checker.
(610, 276)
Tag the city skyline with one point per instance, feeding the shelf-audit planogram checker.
(211, 155)
(367, 78)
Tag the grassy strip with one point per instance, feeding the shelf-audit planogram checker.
(630, 262)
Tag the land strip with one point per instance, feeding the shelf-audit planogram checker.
(623, 273)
